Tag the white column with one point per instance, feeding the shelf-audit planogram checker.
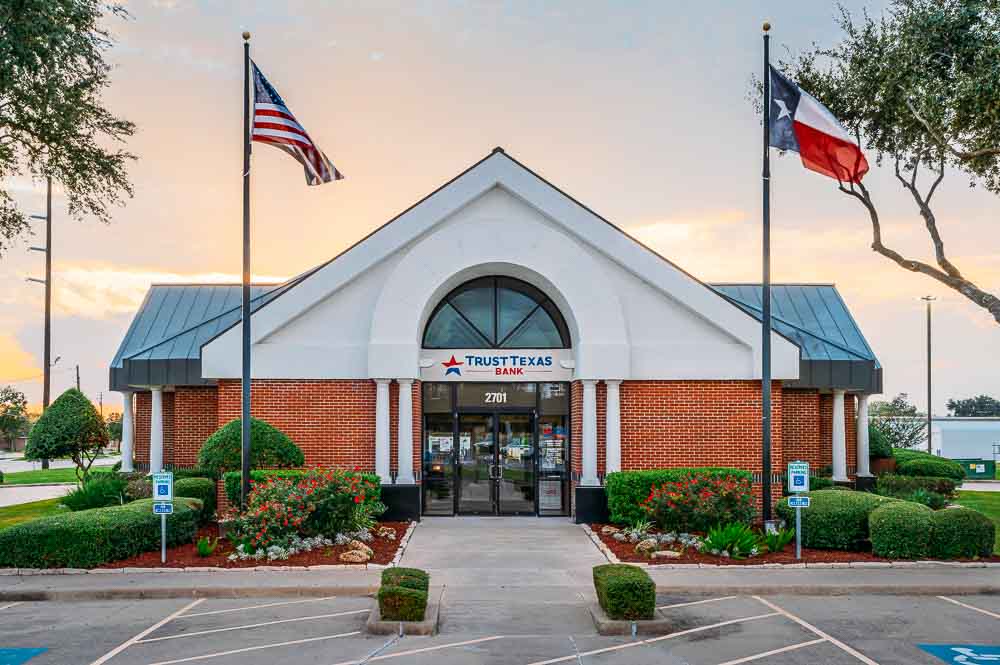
(839, 438)
(404, 454)
(589, 433)
(613, 427)
(863, 451)
(156, 431)
(128, 431)
(382, 430)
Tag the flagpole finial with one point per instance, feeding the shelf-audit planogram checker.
(246, 35)
(766, 26)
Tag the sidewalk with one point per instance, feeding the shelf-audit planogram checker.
(12, 495)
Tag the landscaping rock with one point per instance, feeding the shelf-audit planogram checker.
(646, 546)
(386, 532)
(355, 556)
(666, 554)
(608, 530)
(357, 545)
(620, 537)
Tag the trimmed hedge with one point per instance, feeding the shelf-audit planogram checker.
(231, 482)
(90, 538)
(961, 533)
(198, 488)
(269, 448)
(836, 519)
(900, 530)
(916, 463)
(403, 594)
(890, 484)
(624, 591)
(627, 489)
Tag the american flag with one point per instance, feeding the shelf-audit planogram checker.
(273, 123)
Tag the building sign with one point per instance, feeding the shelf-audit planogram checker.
(496, 365)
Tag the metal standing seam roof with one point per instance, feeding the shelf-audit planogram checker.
(833, 351)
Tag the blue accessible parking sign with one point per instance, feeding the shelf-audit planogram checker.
(967, 654)
(18, 656)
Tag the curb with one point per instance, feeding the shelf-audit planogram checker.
(402, 544)
(910, 565)
(188, 592)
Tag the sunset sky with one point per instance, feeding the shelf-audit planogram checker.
(637, 109)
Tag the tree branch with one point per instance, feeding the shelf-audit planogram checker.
(987, 301)
(930, 221)
(944, 143)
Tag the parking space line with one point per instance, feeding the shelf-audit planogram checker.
(413, 651)
(257, 648)
(9, 605)
(256, 607)
(961, 604)
(695, 602)
(162, 622)
(805, 624)
(252, 625)
(651, 640)
(774, 652)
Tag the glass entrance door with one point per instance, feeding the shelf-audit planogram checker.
(476, 464)
(516, 463)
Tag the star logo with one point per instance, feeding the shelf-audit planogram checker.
(452, 367)
(784, 112)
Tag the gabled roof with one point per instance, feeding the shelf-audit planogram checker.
(834, 352)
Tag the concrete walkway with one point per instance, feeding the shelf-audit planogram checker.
(14, 462)
(12, 495)
(981, 486)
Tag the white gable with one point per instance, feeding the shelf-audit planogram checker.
(631, 314)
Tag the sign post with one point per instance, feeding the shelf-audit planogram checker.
(798, 481)
(163, 505)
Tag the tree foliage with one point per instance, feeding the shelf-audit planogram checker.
(114, 425)
(898, 422)
(983, 405)
(52, 121)
(70, 427)
(920, 86)
(270, 448)
(13, 413)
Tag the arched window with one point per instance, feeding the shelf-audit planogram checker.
(496, 313)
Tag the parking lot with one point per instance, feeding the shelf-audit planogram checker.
(710, 630)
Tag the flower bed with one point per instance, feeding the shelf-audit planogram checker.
(186, 556)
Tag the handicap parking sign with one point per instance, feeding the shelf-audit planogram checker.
(967, 654)
(18, 656)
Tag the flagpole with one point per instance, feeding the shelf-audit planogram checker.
(765, 380)
(245, 312)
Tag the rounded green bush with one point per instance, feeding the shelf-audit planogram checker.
(270, 448)
(70, 427)
(931, 467)
(900, 530)
(624, 591)
(836, 519)
(879, 445)
(198, 488)
(961, 533)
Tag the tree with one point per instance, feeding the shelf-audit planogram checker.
(52, 122)
(983, 405)
(920, 87)
(13, 413)
(114, 424)
(70, 427)
(898, 421)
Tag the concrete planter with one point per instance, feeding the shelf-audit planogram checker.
(605, 625)
(376, 626)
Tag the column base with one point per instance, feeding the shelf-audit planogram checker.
(865, 483)
(402, 503)
(591, 504)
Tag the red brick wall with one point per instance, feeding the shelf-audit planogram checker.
(332, 420)
(800, 421)
(196, 416)
(825, 430)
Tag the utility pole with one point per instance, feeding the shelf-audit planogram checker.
(46, 354)
(77, 377)
(929, 299)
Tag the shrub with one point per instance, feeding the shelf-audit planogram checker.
(138, 488)
(69, 427)
(932, 500)
(890, 484)
(97, 491)
(879, 445)
(397, 603)
(900, 530)
(931, 466)
(198, 488)
(696, 501)
(1, 477)
(410, 578)
(777, 540)
(93, 537)
(734, 540)
(269, 448)
(194, 472)
(206, 546)
(961, 533)
(624, 591)
(231, 482)
(836, 519)
(627, 490)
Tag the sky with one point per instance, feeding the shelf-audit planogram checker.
(640, 110)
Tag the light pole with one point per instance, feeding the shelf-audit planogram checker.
(928, 300)
(46, 381)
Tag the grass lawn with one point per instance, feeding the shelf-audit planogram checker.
(11, 515)
(988, 503)
(45, 476)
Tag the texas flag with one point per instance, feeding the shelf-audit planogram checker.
(801, 124)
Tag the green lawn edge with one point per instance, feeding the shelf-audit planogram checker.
(988, 503)
(24, 512)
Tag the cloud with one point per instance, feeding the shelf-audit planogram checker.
(16, 364)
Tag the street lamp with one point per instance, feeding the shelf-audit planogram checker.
(929, 300)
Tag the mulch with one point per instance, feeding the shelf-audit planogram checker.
(625, 551)
(186, 556)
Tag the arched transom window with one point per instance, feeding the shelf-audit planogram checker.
(496, 313)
